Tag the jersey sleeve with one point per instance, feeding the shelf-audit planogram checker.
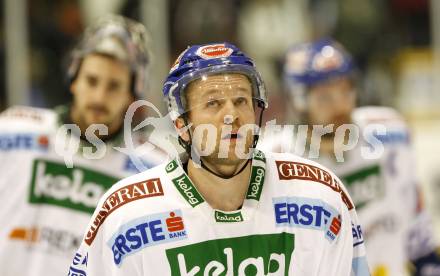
(341, 250)
(93, 257)
(101, 247)
(421, 245)
(88, 259)
(347, 255)
(353, 238)
(359, 264)
(22, 131)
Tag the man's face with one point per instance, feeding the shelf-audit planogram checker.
(101, 91)
(222, 100)
(331, 102)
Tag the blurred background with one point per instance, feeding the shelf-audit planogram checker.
(396, 44)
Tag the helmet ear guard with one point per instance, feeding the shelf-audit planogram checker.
(120, 38)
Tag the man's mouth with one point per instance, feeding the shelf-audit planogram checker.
(341, 119)
(98, 111)
(232, 136)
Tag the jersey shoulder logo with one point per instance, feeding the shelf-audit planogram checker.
(140, 190)
(288, 170)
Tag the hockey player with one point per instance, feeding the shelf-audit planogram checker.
(47, 203)
(378, 169)
(228, 210)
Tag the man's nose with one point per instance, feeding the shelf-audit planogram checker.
(342, 106)
(228, 119)
(230, 114)
(100, 93)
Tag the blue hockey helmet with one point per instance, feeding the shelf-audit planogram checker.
(308, 64)
(209, 59)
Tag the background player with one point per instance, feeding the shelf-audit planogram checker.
(321, 84)
(47, 204)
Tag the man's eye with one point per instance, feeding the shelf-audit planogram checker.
(241, 101)
(113, 86)
(212, 103)
(92, 81)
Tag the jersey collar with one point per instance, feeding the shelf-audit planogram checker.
(191, 195)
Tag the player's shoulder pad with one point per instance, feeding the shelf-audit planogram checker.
(370, 118)
(137, 180)
(292, 167)
(377, 115)
(143, 185)
(291, 157)
(23, 116)
(146, 152)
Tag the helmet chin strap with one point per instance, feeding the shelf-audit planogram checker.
(224, 176)
(188, 148)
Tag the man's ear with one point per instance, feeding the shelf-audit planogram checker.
(180, 125)
(72, 87)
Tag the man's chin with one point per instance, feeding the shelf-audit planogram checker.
(231, 160)
(97, 119)
(227, 164)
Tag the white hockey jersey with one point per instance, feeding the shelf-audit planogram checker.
(296, 219)
(45, 205)
(383, 188)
